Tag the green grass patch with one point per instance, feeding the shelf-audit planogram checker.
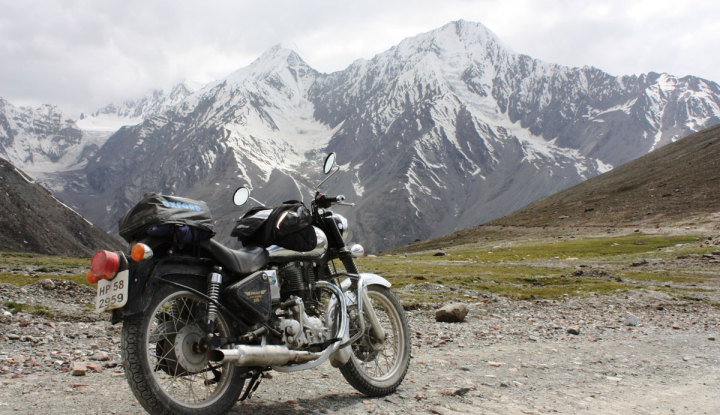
(663, 276)
(507, 279)
(21, 268)
(586, 248)
(527, 270)
(20, 280)
(36, 309)
(46, 263)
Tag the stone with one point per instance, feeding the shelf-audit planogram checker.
(439, 254)
(639, 263)
(94, 367)
(78, 369)
(631, 319)
(452, 313)
(100, 357)
(574, 331)
(461, 392)
(47, 284)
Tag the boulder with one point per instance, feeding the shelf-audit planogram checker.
(452, 313)
(631, 320)
(78, 369)
(47, 284)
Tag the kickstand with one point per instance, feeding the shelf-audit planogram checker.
(252, 386)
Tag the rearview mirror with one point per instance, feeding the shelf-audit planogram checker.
(329, 163)
(241, 196)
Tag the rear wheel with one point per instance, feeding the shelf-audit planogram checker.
(377, 368)
(166, 360)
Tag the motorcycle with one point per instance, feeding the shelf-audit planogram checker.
(203, 324)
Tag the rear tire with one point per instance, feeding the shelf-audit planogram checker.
(378, 368)
(163, 366)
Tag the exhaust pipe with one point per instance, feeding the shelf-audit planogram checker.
(244, 355)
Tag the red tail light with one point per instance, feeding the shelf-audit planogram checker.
(105, 264)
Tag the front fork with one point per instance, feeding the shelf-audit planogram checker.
(365, 305)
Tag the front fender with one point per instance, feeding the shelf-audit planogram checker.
(367, 278)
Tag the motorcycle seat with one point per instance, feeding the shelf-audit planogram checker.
(243, 261)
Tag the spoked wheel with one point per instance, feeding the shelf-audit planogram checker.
(166, 360)
(376, 367)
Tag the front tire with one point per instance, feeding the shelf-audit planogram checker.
(377, 368)
(167, 370)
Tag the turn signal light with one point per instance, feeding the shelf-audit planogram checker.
(91, 278)
(140, 251)
(104, 264)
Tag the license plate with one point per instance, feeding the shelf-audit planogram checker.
(112, 293)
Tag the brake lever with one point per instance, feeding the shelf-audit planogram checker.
(345, 204)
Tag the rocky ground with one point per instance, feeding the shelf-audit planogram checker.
(637, 352)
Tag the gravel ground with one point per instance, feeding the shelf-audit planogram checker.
(636, 352)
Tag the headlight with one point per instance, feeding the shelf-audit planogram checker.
(342, 224)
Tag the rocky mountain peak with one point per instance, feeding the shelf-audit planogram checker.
(456, 40)
(278, 63)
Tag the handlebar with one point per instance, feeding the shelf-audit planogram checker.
(327, 201)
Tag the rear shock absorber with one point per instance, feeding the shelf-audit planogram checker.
(213, 293)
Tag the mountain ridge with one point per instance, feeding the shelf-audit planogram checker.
(32, 220)
(672, 190)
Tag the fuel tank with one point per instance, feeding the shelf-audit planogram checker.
(278, 253)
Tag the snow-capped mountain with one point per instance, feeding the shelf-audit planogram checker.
(36, 139)
(43, 141)
(458, 129)
(446, 130)
(113, 116)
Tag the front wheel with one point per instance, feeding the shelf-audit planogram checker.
(167, 364)
(376, 368)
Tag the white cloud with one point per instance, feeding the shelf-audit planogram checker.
(84, 54)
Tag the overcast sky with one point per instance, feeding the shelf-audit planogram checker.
(83, 54)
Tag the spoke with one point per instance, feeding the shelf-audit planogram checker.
(169, 321)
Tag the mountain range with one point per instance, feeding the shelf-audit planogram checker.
(446, 130)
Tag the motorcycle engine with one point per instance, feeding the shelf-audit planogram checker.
(297, 278)
(300, 330)
(301, 325)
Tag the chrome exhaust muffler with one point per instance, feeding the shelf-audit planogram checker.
(269, 355)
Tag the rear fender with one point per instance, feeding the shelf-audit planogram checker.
(147, 277)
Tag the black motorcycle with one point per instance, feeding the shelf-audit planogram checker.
(203, 324)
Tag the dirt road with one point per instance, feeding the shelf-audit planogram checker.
(637, 352)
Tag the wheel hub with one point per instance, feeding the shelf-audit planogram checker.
(190, 348)
(365, 349)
